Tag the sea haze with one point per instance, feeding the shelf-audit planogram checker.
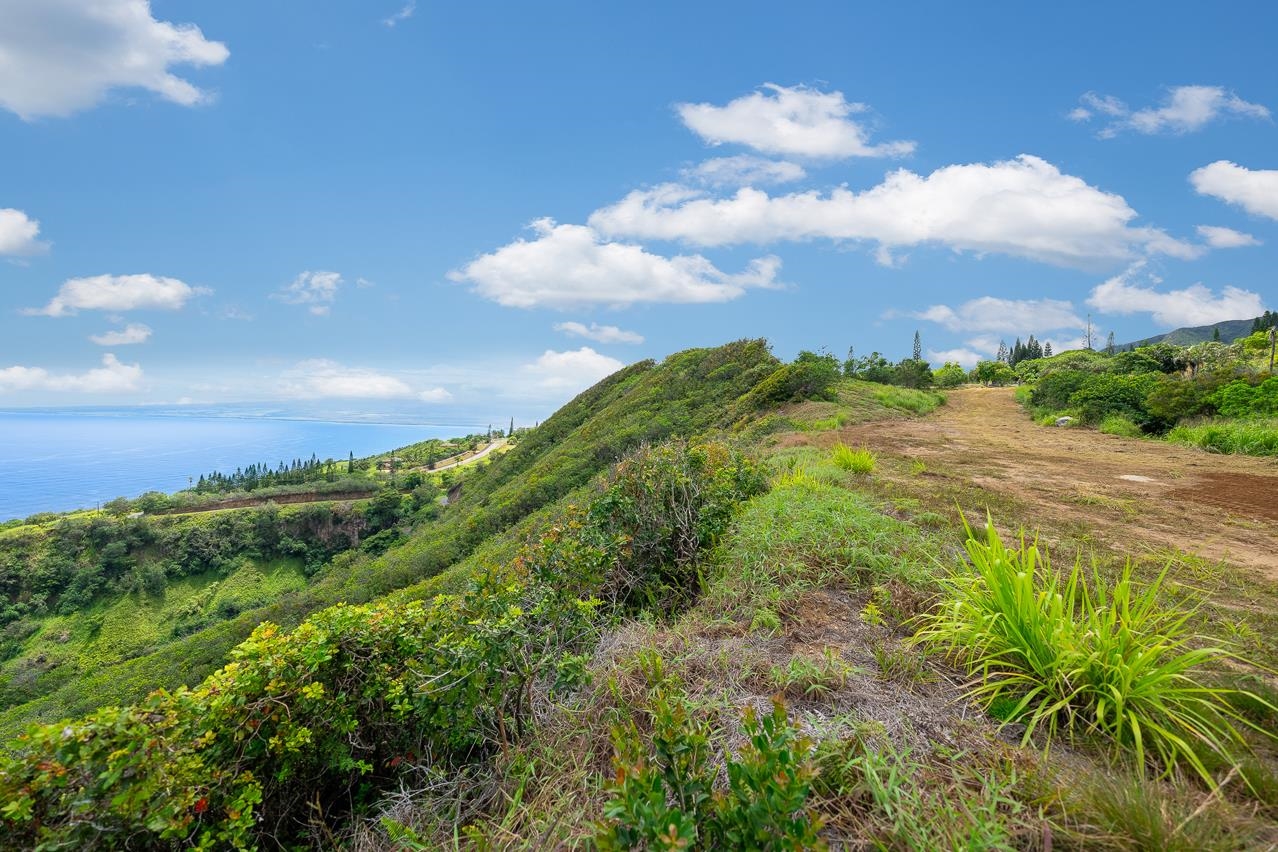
(54, 460)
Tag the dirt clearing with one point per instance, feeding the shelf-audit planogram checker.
(1133, 494)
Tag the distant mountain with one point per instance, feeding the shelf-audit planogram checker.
(1230, 330)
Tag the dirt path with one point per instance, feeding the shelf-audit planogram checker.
(1132, 493)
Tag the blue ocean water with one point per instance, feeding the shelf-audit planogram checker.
(53, 461)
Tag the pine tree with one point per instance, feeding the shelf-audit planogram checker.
(350, 463)
(1109, 344)
(918, 347)
(511, 433)
(1047, 350)
(1215, 334)
(1002, 351)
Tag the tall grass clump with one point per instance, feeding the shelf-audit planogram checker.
(1116, 424)
(1085, 656)
(860, 460)
(1243, 437)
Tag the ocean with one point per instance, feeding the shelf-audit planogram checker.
(58, 460)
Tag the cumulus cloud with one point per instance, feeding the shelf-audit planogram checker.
(1254, 190)
(1134, 291)
(317, 290)
(1184, 109)
(405, 12)
(119, 293)
(570, 265)
(19, 233)
(992, 314)
(963, 357)
(134, 332)
(61, 56)
(1023, 207)
(111, 377)
(744, 170)
(569, 372)
(320, 378)
(1218, 237)
(435, 395)
(599, 333)
(791, 121)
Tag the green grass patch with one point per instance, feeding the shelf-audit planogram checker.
(1243, 437)
(1116, 424)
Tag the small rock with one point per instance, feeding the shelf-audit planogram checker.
(1064, 421)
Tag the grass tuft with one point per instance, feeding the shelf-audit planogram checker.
(860, 460)
(1084, 657)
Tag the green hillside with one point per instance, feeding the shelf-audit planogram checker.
(691, 610)
(1229, 331)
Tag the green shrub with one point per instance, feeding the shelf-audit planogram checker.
(1243, 399)
(1116, 424)
(860, 460)
(663, 797)
(1085, 657)
(670, 502)
(951, 375)
(1105, 394)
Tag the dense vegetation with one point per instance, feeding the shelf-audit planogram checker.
(685, 612)
(1221, 397)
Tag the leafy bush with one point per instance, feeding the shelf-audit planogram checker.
(663, 796)
(860, 460)
(1106, 394)
(1085, 657)
(951, 375)
(1243, 399)
(668, 503)
(810, 376)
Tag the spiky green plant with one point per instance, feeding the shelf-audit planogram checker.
(860, 460)
(1086, 657)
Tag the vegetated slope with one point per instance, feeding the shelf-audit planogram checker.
(609, 685)
(1230, 330)
(687, 393)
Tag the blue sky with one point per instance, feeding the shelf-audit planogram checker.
(491, 205)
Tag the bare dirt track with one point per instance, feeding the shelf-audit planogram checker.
(1133, 494)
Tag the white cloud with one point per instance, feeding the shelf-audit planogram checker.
(119, 293)
(60, 56)
(963, 357)
(991, 314)
(134, 332)
(599, 333)
(569, 265)
(791, 121)
(1218, 237)
(435, 395)
(571, 371)
(316, 289)
(1023, 207)
(320, 378)
(19, 232)
(744, 170)
(1184, 109)
(1254, 190)
(1133, 292)
(405, 12)
(111, 377)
